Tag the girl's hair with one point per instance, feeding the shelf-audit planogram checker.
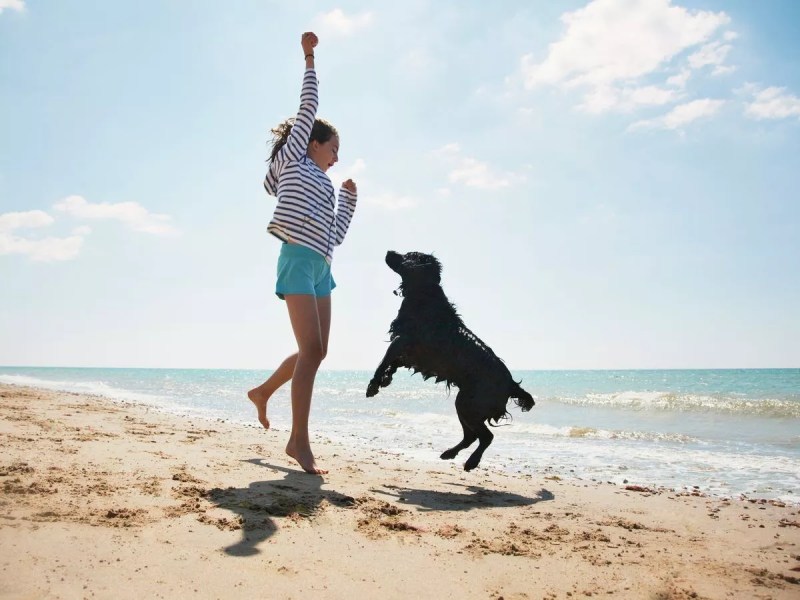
(321, 132)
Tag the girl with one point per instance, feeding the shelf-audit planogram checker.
(310, 223)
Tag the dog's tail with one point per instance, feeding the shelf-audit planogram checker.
(521, 398)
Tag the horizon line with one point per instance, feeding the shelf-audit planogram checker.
(771, 368)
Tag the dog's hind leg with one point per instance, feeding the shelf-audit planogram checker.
(469, 435)
(485, 438)
(469, 438)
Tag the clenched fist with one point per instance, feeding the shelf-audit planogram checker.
(309, 41)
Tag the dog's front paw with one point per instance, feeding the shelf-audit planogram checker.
(372, 388)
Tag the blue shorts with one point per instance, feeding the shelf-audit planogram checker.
(301, 270)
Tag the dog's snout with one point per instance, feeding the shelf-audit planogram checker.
(393, 259)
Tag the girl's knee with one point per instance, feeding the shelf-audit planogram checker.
(314, 354)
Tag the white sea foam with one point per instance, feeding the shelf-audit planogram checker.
(95, 388)
(670, 401)
(426, 424)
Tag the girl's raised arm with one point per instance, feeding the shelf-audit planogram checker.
(297, 142)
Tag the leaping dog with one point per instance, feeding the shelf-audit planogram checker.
(429, 337)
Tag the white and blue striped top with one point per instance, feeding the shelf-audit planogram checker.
(307, 212)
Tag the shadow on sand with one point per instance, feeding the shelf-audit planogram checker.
(474, 497)
(300, 495)
(297, 495)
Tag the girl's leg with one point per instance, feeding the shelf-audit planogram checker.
(260, 395)
(310, 318)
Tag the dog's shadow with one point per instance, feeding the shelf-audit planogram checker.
(474, 497)
(298, 495)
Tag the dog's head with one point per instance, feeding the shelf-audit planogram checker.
(416, 268)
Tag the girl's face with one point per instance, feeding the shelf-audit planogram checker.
(325, 154)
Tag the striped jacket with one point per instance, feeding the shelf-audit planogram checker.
(307, 212)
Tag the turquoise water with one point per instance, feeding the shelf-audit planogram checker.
(728, 432)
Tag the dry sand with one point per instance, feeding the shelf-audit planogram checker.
(114, 500)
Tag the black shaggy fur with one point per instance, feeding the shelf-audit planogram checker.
(429, 337)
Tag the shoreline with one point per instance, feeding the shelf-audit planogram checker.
(658, 451)
(107, 498)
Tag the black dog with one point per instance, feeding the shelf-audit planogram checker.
(429, 337)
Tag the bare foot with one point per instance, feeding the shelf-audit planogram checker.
(260, 401)
(305, 459)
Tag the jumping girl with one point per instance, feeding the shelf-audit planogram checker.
(309, 221)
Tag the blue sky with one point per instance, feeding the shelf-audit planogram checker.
(608, 184)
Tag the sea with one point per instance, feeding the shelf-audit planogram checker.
(727, 433)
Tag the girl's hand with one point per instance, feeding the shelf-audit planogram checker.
(350, 186)
(309, 41)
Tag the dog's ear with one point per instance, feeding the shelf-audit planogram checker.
(436, 266)
(420, 259)
(432, 263)
(426, 268)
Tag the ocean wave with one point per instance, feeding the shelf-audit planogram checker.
(578, 432)
(605, 434)
(675, 402)
(428, 424)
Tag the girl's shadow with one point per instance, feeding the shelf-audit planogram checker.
(297, 496)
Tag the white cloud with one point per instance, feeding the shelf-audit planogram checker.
(681, 115)
(679, 80)
(604, 98)
(474, 173)
(16, 220)
(773, 103)
(353, 171)
(392, 201)
(620, 40)
(387, 200)
(712, 54)
(47, 249)
(17, 5)
(132, 214)
(336, 22)
(611, 48)
(471, 172)
(50, 249)
(723, 69)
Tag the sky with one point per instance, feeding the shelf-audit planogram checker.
(609, 184)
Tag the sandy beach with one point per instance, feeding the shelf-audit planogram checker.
(104, 499)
